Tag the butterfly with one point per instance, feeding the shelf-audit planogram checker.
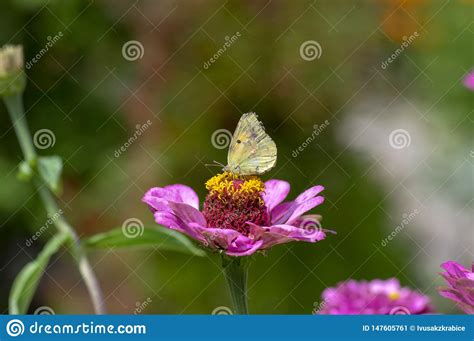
(251, 150)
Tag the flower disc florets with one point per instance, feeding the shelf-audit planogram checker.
(233, 201)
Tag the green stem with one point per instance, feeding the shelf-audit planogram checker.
(14, 105)
(15, 108)
(236, 271)
(85, 268)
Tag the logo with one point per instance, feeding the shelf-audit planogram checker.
(44, 310)
(133, 228)
(221, 138)
(44, 138)
(15, 328)
(310, 50)
(399, 311)
(222, 311)
(311, 227)
(133, 50)
(399, 139)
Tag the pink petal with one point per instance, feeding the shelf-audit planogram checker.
(158, 196)
(288, 212)
(309, 193)
(311, 219)
(155, 199)
(275, 192)
(304, 207)
(180, 217)
(297, 233)
(170, 220)
(187, 213)
(315, 219)
(469, 83)
(282, 212)
(244, 247)
(184, 194)
(278, 234)
(454, 269)
(220, 238)
(452, 295)
(233, 242)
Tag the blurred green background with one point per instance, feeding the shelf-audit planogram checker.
(92, 98)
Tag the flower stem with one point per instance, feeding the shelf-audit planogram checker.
(14, 106)
(79, 253)
(236, 271)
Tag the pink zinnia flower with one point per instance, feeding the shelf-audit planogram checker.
(469, 81)
(241, 214)
(460, 285)
(378, 296)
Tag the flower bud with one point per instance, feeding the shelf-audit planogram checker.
(12, 75)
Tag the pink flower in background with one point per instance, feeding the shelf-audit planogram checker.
(241, 215)
(460, 285)
(469, 80)
(378, 296)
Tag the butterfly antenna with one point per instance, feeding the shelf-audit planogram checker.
(215, 164)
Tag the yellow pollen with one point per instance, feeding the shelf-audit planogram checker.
(394, 295)
(225, 183)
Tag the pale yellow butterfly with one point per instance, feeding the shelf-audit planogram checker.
(251, 150)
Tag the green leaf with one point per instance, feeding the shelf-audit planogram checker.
(25, 172)
(50, 168)
(24, 285)
(155, 237)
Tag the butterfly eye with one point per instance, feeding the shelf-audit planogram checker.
(238, 141)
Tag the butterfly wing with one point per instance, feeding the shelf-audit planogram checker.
(251, 150)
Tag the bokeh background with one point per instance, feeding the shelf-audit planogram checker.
(92, 98)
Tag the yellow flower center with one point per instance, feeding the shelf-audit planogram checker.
(394, 295)
(235, 186)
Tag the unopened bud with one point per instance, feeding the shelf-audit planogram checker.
(12, 75)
